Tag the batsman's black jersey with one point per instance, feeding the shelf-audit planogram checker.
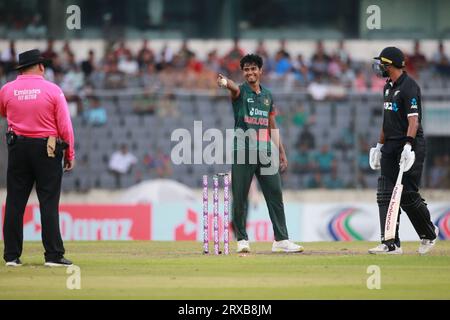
(402, 99)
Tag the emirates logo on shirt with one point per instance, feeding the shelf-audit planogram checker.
(27, 94)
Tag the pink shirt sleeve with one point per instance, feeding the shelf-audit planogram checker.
(2, 105)
(64, 123)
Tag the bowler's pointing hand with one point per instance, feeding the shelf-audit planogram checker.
(222, 81)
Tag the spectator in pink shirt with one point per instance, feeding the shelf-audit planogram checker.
(39, 137)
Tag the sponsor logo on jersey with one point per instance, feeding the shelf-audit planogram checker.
(250, 100)
(396, 92)
(257, 112)
(413, 103)
(27, 94)
(391, 106)
(256, 121)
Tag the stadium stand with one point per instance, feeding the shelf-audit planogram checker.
(333, 96)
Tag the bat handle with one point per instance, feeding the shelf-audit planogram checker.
(400, 173)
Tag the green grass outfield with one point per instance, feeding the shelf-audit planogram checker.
(169, 270)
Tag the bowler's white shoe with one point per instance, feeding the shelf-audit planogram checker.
(286, 246)
(426, 245)
(243, 246)
(384, 249)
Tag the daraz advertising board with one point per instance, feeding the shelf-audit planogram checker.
(182, 222)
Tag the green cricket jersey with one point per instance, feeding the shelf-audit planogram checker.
(252, 111)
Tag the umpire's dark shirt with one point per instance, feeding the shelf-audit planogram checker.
(402, 99)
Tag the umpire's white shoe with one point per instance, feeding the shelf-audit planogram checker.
(243, 246)
(286, 246)
(426, 245)
(14, 263)
(384, 249)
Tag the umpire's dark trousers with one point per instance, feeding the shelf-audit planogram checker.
(28, 163)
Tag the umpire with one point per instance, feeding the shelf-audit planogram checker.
(401, 141)
(39, 136)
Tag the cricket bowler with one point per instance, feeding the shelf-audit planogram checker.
(254, 110)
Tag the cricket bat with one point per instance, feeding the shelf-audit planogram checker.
(394, 206)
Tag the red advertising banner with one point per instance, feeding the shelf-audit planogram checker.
(94, 222)
(191, 227)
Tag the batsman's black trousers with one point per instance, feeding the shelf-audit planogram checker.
(29, 164)
(390, 160)
(412, 202)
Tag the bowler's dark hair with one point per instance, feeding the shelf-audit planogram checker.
(251, 59)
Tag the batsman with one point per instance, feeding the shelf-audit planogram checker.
(401, 147)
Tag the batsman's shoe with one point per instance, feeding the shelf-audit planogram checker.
(426, 245)
(384, 249)
(62, 262)
(14, 263)
(286, 246)
(243, 246)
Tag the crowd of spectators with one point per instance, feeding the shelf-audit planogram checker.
(325, 75)
(183, 69)
(123, 162)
